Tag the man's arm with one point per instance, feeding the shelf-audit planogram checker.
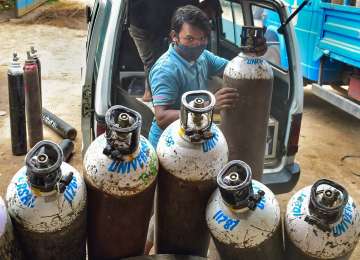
(216, 64)
(165, 116)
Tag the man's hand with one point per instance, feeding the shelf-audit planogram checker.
(165, 116)
(226, 98)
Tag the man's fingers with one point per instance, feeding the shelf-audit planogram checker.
(233, 96)
(226, 90)
(230, 102)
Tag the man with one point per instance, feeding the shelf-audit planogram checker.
(185, 66)
(150, 26)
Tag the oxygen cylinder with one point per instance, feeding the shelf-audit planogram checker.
(35, 56)
(243, 216)
(9, 249)
(322, 222)
(33, 101)
(191, 152)
(17, 107)
(245, 125)
(121, 169)
(47, 203)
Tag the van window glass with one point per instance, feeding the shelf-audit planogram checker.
(94, 12)
(100, 44)
(232, 21)
(277, 52)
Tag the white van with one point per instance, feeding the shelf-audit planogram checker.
(114, 75)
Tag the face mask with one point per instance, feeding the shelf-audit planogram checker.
(191, 53)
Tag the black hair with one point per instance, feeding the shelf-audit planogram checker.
(192, 15)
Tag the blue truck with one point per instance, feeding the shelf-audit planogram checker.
(328, 36)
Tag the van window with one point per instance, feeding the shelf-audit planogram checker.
(102, 31)
(276, 53)
(94, 12)
(232, 21)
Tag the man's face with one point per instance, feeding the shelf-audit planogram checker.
(190, 36)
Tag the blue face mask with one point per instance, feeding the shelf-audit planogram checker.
(191, 53)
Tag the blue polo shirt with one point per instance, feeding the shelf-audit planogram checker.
(171, 76)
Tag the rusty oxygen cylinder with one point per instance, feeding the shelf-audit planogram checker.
(35, 56)
(121, 169)
(243, 216)
(9, 248)
(17, 107)
(322, 221)
(33, 101)
(245, 125)
(47, 204)
(191, 151)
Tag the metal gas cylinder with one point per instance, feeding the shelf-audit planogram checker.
(243, 216)
(245, 125)
(34, 55)
(9, 249)
(46, 201)
(191, 152)
(33, 101)
(322, 222)
(17, 107)
(121, 169)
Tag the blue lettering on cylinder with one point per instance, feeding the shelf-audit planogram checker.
(254, 61)
(169, 140)
(210, 144)
(343, 226)
(262, 202)
(138, 162)
(71, 190)
(24, 193)
(297, 206)
(225, 221)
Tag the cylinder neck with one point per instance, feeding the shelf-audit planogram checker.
(123, 126)
(34, 53)
(43, 166)
(196, 115)
(327, 202)
(253, 41)
(15, 62)
(235, 185)
(30, 60)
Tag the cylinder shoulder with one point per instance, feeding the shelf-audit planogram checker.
(246, 67)
(49, 212)
(192, 161)
(339, 241)
(121, 178)
(244, 228)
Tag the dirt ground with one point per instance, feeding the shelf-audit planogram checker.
(329, 141)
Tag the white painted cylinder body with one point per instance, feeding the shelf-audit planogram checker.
(244, 233)
(306, 241)
(49, 225)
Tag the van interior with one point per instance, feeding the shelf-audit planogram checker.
(129, 78)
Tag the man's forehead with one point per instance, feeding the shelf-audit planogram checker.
(189, 29)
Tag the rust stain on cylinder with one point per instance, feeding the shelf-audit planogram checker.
(247, 138)
(33, 103)
(180, 215)
(270, 249)
(68, 243)
(117, 226)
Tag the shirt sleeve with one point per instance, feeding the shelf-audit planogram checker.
(164, 87)
(216, 64)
